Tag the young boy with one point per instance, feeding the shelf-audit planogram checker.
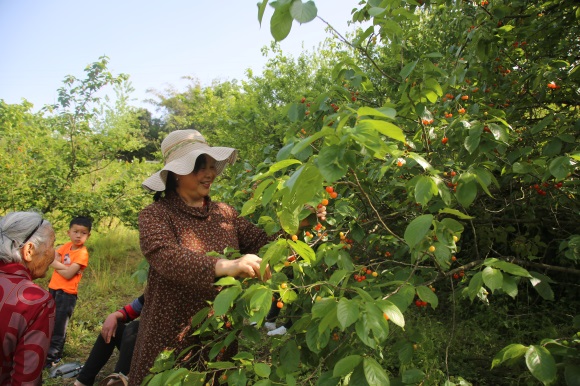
(70, 260)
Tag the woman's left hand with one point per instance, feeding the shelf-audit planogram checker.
(320, 215)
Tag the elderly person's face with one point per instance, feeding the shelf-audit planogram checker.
(38, 259)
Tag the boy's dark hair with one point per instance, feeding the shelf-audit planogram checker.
(82, 221)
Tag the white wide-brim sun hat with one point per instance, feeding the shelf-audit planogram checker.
(180, 151)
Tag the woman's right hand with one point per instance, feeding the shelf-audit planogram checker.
(247, 266)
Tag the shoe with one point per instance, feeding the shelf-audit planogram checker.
(50, 364)
(279, 331)
(270, 326)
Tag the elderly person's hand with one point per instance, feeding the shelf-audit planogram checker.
(247, 266)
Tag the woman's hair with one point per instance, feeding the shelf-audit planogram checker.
(19, 228)
(170, 182)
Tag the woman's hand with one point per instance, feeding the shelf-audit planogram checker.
(247, 266)
(320, 215)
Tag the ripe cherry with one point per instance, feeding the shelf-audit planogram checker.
(444, 140)
(280, 304)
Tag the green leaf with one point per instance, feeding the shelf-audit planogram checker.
(548, 120)
(227, 280)
(425, 188)
(277, 251)
(509, 285)
(303, 12)
(471, 142)
(261, 9)
(331, 162)
(374, 373)
(541, 285)
(507, 267)
(280, 24)
(383, 112)
(304, 250)
(427, 295)
(418, 229)
(408, 69)
(289, 356)
(541, 364)
(552, 148)
(421, 161)
(346, 365)
(474, 285)
(262, 370)
(393, 312)
(433, 85)
(249, 207)
(560, 167)
(347, 312)
(220, 365)
(413, 376)
(303, 144)
(456, 213)
(276, 167)
(225, 299)
(200, 316)
(322, 307)
(385, 128)
(492, 278)
(466, 190)
(509, 353)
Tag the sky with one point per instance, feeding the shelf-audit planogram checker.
(157, 42)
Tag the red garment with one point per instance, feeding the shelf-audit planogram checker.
(26, 322)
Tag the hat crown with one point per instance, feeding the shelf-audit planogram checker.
(181, 142)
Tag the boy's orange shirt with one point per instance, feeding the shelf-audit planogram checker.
(68, 257)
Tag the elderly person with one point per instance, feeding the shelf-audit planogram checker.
(26, 310)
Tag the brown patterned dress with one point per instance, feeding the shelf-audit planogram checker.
(175, 239)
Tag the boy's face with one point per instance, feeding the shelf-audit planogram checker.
(78, 234)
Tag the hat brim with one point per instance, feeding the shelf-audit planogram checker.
(185, 164)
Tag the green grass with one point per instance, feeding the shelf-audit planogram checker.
(106, 286)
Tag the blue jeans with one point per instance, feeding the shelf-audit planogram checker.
(65, 305)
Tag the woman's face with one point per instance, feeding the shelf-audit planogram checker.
(41, 257)
(194, 186)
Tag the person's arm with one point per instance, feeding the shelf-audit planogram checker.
(160, 246)
(110, 325)
(246, 266)
(125, 314)
(66, 271)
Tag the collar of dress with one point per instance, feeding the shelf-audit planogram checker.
(174, 201)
